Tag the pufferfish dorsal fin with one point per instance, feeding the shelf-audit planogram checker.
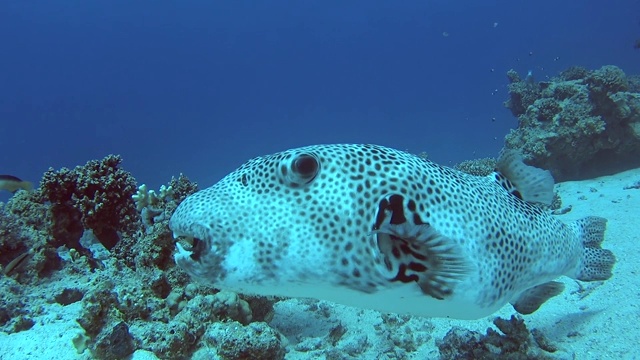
(529, 183)
(420, 254)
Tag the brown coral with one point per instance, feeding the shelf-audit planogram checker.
(478, 167)
(581, 124)
(100, 191)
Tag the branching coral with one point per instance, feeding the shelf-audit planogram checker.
(515, 342)
(98, 192)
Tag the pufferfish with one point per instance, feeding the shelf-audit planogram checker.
(377, 228)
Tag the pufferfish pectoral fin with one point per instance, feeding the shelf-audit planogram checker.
(420, 254)
(531, 299)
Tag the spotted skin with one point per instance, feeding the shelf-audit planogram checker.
(309, 222)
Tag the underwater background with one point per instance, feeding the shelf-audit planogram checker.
(117, 111)
(199, 87)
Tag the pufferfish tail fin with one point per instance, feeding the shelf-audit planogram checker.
(596, 263)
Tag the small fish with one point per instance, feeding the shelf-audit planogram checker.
(529, 79)
(378, 228)
(13, 184)
(17, 263)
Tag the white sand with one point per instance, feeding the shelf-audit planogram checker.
(601, 321)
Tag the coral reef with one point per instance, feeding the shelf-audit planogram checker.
(79, 239)
(13, 241)
(155, 248)
(234, 341)
(154, 206)
(580, 124)
(26, 253)
(95, 196)
(515, 342)
(477, 167)
(14, 310)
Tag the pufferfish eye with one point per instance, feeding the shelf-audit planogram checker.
(299, 170)
(306, 166)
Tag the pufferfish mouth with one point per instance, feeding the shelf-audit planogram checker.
(195, 246)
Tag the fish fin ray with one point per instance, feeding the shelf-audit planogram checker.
(531, 183)
(596, 263)
(532, 298)
(419, 253)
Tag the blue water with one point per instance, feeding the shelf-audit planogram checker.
(198, 87)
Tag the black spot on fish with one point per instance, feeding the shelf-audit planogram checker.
(417, 267)
(403, 277)
(397, 210)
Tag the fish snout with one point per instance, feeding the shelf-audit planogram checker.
(201, 250)
(195, 240)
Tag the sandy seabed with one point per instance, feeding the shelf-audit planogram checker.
(599, 320)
